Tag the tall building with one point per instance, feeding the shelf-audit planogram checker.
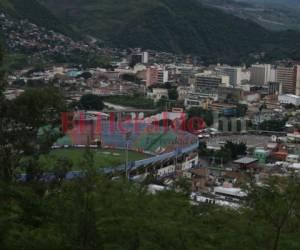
(208, 83)
(162, 76)
(186, 73)
(234, 73)
(156, 76)
(145, 57)
(205, 88)
(142, 57)
(261, 74)
(297, 79)
(285, 76)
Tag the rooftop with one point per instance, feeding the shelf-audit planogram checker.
(245, 160)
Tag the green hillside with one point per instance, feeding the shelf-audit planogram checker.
(35, 13)
(166, 25)
(173, 25)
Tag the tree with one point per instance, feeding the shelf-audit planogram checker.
(273, 125)
(235, 149)
(91, 102)
(275, 207)
(173, 94)
(204, 114)
(86, 75)
(21, 120)
(242, 109)
(131, 78)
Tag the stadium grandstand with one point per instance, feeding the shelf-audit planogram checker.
(169, 150)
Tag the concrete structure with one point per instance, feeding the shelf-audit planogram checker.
(205, 88)
(156, 76)
(162, 76)
(261, 74)
(286, 77)
(261, 155)
(226, 93)
(198, 99)
(289, 79)
(297, 79)
(183, 92)
(157, 94)
(246, 163)
(234, 74)
(289, 99)
(142, 57)
(209, 83)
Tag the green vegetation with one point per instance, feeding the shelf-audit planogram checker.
(102, 158)
(173, 94)
(200, 113)
(36, 13)
(13, 62)
(272, 14)
(91, 102)
(20, 121)
(273, 125)
(131, 78)
(96, 212)
(86, 59)
(161, 24)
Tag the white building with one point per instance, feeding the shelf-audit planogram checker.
(162, 76)
(289, 99)
(157, 94)
(234, 74)
(245, 76)
(145, 57)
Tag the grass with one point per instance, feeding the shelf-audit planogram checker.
(102, 157)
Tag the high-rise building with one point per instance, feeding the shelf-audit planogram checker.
(162, 76)
(156, 76)
(145, 57)
(209, 83)
(205, 88)
(285, 76)
(261, 74)
(142, 57)
(297, 79)
(234, 74)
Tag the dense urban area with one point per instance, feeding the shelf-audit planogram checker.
(106, 147)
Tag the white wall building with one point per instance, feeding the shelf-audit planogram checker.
(158, 93)
(162, 76)
(289, 99)
(234, 74)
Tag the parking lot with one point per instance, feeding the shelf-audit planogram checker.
(252, 141)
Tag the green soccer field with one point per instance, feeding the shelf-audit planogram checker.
(102, 157)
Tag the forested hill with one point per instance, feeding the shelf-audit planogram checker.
(173, 25)
(35, 13)
(180, 26)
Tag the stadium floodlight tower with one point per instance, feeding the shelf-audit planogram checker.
(127, 137)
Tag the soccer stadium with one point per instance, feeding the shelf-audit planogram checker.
(146, 148)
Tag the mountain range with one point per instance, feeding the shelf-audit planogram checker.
(271, 14)
(167, 25)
